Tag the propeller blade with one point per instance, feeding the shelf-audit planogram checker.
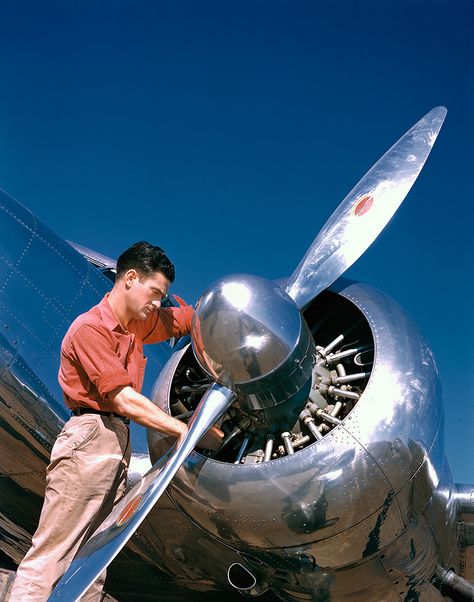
(365, 211)
(126, 517)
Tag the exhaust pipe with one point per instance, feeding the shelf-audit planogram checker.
(244, 581)
(453, 585)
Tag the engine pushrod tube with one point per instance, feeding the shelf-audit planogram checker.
(308, 420)
(328, 418)
(341, 380)
(335, 392)
(242, 449)
(341, 371)
(269, 447)
(332, 344)
(287, 443)
(235, 431)
(314, 430)
(331, 359)
(302, 441)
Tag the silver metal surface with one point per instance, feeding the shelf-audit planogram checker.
(97, 259)
(269, 447)
(287, 443)
(248, 335)
(399, 417)
(359, 506)
(365, 211)
(358, 497)
(127, 516)
(242, 450)
(464, 497)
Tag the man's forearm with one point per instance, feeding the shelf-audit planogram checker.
(128, 402)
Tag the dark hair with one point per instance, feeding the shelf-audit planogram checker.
(146, 259)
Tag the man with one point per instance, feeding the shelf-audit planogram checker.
(101, 374)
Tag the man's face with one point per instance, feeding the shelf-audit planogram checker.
(145, 292)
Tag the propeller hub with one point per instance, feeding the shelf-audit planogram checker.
(250, 336)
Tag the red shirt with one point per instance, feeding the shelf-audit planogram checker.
(98, 354)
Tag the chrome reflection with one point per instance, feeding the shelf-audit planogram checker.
(255, 430)
(357, 495)
(244, 328)
(365, 211)
(248, 335)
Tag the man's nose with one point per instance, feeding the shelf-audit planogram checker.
(157, 304)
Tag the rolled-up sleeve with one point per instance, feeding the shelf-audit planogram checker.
(168, 322)
(93, 351)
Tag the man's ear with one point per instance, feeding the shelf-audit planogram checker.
(130, 276)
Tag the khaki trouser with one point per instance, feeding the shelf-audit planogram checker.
(85, 479)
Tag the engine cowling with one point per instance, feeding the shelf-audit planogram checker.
(366, 485)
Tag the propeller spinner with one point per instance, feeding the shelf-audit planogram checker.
(249, 335)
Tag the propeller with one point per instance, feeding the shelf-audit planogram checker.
(365, 211)
(127, 516)
(254, 317)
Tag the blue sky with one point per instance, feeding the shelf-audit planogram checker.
(228, 132)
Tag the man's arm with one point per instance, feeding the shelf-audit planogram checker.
(165, 323)
(128, 402)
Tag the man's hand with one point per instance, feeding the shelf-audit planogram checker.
(128, 402)
(212, 439)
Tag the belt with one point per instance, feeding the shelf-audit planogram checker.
(81, 411)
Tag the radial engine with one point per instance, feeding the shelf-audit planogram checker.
(332, 465)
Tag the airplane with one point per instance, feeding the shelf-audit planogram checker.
(331, 482)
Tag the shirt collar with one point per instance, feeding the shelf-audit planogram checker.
(108, 317)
